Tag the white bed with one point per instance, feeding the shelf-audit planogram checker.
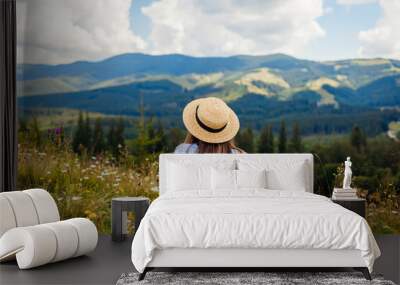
(281, 224)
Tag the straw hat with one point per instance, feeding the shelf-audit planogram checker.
(210, 120)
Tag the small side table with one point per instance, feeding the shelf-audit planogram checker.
(357, 205)
(119, 208)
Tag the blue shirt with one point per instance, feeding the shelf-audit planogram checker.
(192, 148)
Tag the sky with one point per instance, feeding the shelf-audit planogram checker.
(64, 31)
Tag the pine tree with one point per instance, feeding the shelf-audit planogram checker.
(152, 137)
(87, 134)
(99, 144)
(358, 138)
(79, 134)
(295, 142)
(146, 139)
(266, 141)
(161, 142)
(115, 137)
(271, 140)
(174, 137)
(111, 142)
(282, 144)
(119, 133)
(245, 140)
(238, 139)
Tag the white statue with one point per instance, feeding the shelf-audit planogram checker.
(347, 174)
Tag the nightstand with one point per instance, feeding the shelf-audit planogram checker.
(119, 208)
(357, 205)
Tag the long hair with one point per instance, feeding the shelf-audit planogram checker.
(205, 147)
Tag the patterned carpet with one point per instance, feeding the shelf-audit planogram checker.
(228, 278)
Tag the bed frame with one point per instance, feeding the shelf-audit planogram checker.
(246, 258)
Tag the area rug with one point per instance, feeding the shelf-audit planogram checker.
(229, 278)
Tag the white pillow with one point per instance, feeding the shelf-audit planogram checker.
(227, 179)
(223, 179)
(282, 174)
(188, 177)
(251, 178)
(292, 179)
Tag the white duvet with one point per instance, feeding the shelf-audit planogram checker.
(250, 219)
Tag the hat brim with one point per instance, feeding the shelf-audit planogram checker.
(227, 134)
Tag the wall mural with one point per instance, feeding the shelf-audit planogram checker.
(102, 85)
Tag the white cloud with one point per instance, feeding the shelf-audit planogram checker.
(383, 40)
(226, 27)
(354, 2)
(60, 31)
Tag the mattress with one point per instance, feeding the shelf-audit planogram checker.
(250, 219)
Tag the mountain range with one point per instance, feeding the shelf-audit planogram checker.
(259, 88)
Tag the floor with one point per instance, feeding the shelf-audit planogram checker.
(103, 266)
(389, 262)
(110, 260)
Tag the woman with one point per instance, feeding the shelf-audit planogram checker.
(211, 127)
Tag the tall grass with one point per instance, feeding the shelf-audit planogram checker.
(383, 208)
(83, 186)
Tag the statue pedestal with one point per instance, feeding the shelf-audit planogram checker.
(357, 205)
(342, 194)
